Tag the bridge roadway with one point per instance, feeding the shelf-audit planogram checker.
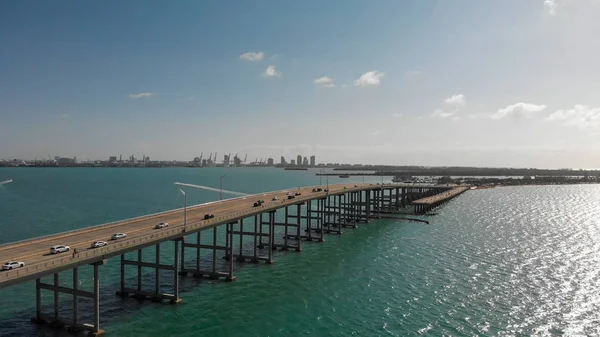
(141, 232)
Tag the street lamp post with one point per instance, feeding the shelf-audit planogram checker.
(221, 190)
(184, 209)
(321, 177)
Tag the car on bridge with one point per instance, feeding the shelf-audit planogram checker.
(161, 225)
(59, 249)
(118, 236)
(208, 216)
(98, 244)
(291, 196)
(257, 204)
(298, 193)
(275, 198)
(13, 265)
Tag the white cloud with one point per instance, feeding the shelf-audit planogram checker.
(455, 100)
(581, 116)
(551, 6)
(369, 79)
(64, 116)
(442, 114)
(141, 95)
(325, 82)
(523, 109)
(191, 98)
(397, 114)
(271, 72)
(252, 56)
(377, 133)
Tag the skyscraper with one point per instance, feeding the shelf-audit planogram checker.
(305, 162)
(299, 160)
(270, 162)
(283, 162)
(313, 161)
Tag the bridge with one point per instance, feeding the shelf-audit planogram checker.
(305, 214)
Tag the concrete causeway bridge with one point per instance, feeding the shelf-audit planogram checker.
(311, 213)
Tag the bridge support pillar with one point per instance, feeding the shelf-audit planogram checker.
(55, 321)
(156, 296)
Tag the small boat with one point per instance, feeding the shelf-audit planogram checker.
(6, 182)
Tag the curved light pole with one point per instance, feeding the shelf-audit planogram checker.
(321, 177)
(184, 209)
(221, 185)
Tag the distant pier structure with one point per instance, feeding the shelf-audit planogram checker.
(254, 226)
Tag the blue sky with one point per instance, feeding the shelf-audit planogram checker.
(486, 83)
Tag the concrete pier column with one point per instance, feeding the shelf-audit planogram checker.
(157, 270)
(271, 235)
(241, 254)
(368, 204)
(97, 330)
(309, 219)
(298, 228)
(139, 271)
(230, 251)
(260, 231)
(176, 298)
(214, 255)
(56, 296)
(38, 300)
(182, 264)
(285, 234)
(255, 252)
(75, 298)
(198, 243)
(122, 292)
(321, 217)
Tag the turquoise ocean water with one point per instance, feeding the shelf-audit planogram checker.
(514, 261)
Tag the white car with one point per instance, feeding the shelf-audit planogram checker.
(59, 249)
(161, 225)
(97, 244)
(13, 265)
(118, 236)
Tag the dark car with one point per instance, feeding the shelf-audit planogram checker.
(291, 197)
(208, 216)
(256, 204)
(298, 193)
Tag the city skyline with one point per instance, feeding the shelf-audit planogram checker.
(490, 84)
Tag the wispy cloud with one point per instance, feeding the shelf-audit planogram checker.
(520, 109)
(141, 95)
(271, 71)
(191, 98)
(64, 116)
(413, 73)
(397, 115)
(551, 6)
(456, 100)
(324, 82)
(252, 56)
(580, 116)
(369, 79)
(377, 133)
(439, 113)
